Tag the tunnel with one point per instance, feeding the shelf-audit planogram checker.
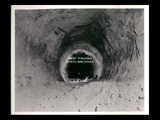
(51, 74)
(97, 38)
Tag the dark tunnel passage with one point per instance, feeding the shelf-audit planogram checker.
(80, 66)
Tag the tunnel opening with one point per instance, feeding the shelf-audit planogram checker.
(80, 66)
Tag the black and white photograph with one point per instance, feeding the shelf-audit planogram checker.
(79, 59)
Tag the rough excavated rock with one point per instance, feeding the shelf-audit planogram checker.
(38, 38)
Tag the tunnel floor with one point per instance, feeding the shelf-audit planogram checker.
(80, 66)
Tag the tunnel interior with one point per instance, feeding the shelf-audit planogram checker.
(80, 66)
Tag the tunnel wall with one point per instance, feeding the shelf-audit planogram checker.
(116, 34)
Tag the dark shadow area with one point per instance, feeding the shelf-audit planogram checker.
(80, 67)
